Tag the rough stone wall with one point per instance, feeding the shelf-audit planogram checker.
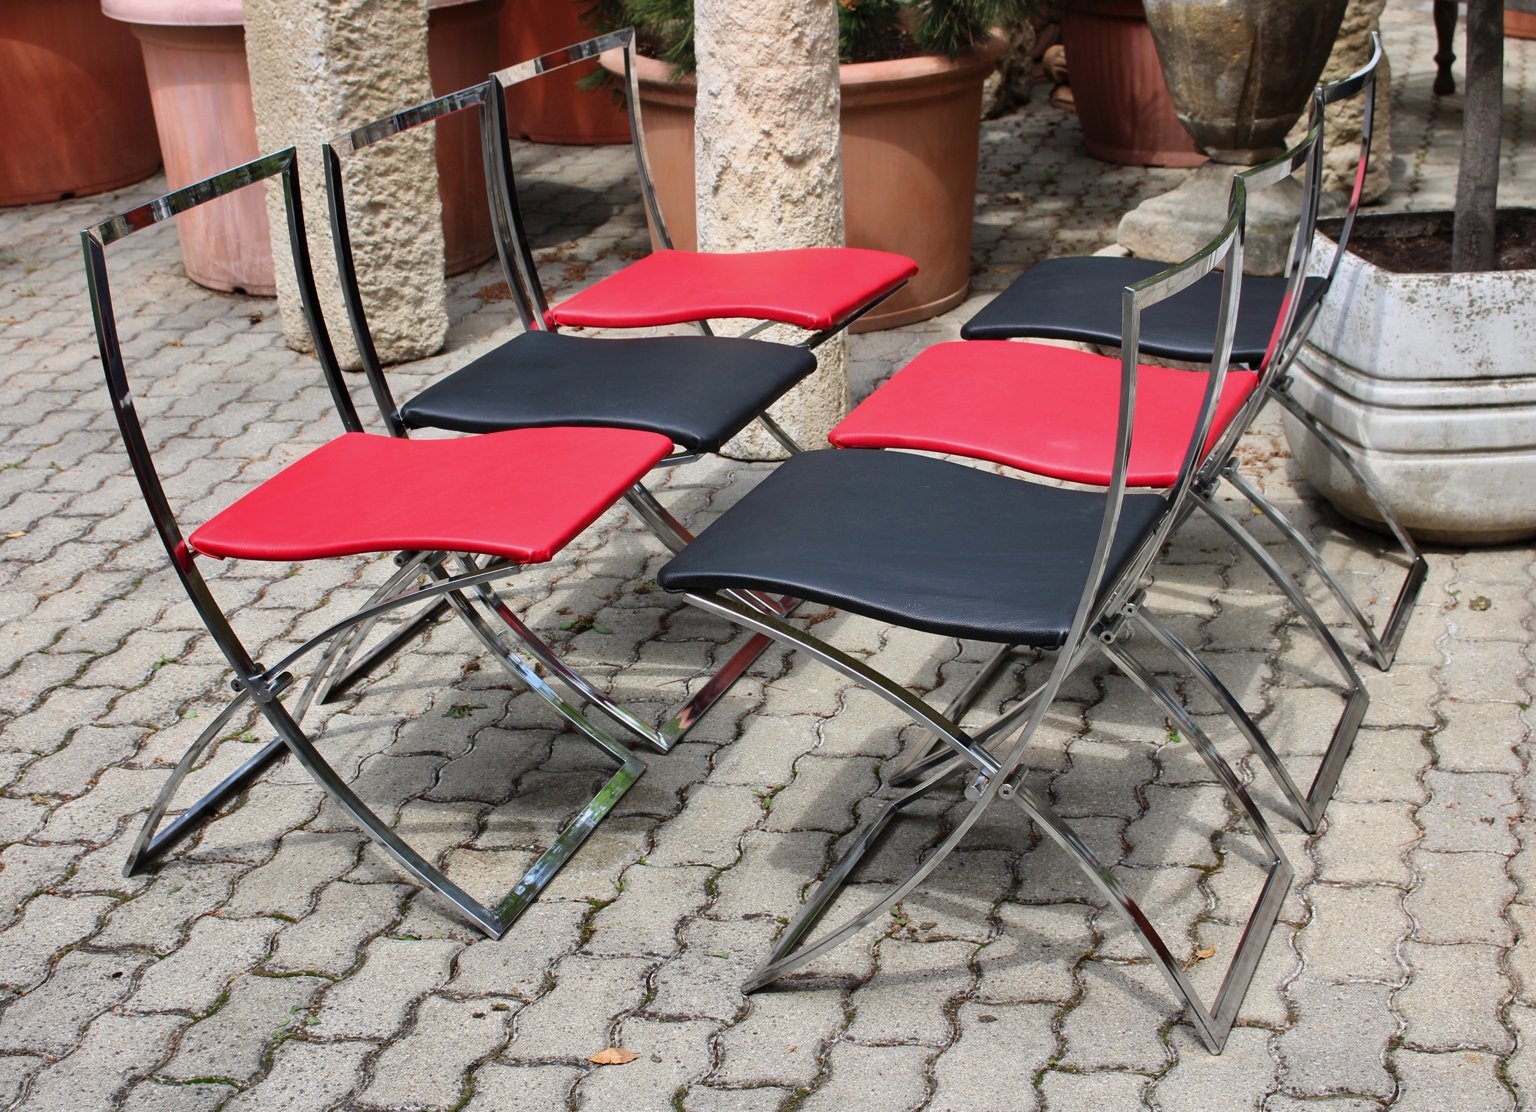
(319, 67)
(769, 171)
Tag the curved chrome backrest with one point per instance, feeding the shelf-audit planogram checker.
(1361, 82)
(476, 98)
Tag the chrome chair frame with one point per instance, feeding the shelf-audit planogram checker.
(1307, 805)
(993, 765)
(352, 663)
(264, 687)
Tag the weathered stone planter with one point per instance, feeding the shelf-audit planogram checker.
(194, 55)
(1430, 380)
(77, 116)
(911, 136)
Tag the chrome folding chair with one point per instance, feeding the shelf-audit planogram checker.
(697, 391)
(950, 549)
(1075, 299)
(466, 502)
(820, 290)
(1050, 411)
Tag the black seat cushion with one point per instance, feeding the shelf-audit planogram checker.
(916, 541)
(1078, 298)
(699, 390)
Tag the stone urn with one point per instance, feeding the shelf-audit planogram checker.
(1240, 73)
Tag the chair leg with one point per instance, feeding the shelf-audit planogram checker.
(1383, 646)
(919, 760)
(1357, 699)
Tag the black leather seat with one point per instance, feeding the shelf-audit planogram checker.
(921, 542)
(700, 391)
(1077, 298)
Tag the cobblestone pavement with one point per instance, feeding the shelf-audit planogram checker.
(278, 962)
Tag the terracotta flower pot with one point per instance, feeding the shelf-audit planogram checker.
(194, 55)
(1118, 87)
(911, 136)
(77, 115)
(555, 109)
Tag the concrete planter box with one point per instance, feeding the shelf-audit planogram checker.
(1430, 379)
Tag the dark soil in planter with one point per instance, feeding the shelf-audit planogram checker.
(1420, 242)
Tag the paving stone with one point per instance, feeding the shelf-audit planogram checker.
(234, 1041)
(1453, 998)
(562, 1024)
(1520, 1067)
(1488, 675)
(429, 1067)
(700, 1098)
(330, 938)
(1243, 1073)
(14, 1072)
(1385, 765)
(1459, 897)
(647, 915)
(161, 916)
(1461, 1079)
(993, 1062)
(1076, 1092)
(286, 884)
(910, 998)
(1468, 811)
(896, 1072)
(709, 828)
(194, 977)
(374, 1002)
(27, 869)
(672, 1056)
(1339, 1040)
(1479, 737)
(704, 981)
(771, 874)
(1116, 1023)
(1355, 934)
(48, 924)
(82, 985)
(522, 1088)
(306, 1077)
(1031, 961)
(158, 1096)
(1367, 843)
(115, 1051)
(780, 1041)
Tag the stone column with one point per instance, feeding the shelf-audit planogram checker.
(319, 67)
(769, 167)
(1341, 137)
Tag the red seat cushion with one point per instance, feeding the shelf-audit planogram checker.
(521, 495)
(1042, 409)
(812, 288)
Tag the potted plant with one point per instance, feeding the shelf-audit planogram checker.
(911, 84)
(1420, 357)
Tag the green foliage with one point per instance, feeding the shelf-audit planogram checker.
(868, 30)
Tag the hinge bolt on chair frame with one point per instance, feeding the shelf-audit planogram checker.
(431, 506)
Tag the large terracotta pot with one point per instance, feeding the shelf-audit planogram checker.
(76, 107)
(1241, 71)
(1426, 378)
(554, 108)
(1118, 87)
(911, 137)
(194, 55)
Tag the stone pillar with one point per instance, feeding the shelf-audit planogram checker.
(769, 167)
(319, 67)
(1341, 137)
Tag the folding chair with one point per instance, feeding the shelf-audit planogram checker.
(1074, 299)
(821, 290)
(466, 501)
(698, 391)
(1049, 411)
(953, 550)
